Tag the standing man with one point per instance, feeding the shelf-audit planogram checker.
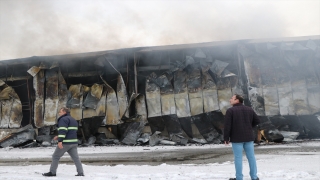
(67, 142)
(238, 129)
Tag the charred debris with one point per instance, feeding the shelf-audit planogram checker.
(171, 95)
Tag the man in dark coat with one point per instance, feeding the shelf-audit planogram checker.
(67, 142)
(238, 129)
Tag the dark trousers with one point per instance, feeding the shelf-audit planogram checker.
(72, 151)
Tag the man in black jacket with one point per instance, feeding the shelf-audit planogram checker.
(67, 142)
(238, 129)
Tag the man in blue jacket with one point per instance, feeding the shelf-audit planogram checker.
(67, 142)
(238, 129)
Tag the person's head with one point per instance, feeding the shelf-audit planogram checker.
(63, 111)
(235, 99)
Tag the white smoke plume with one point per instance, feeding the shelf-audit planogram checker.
(51, 27)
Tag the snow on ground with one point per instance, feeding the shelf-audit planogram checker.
(291, 165)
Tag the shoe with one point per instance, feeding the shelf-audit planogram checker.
(80, 174)
(48, 174)
(236, 179)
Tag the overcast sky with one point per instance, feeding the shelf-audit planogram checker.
(51, 27)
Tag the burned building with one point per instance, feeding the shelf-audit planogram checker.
(180, 91)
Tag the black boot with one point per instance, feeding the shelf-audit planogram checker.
(48, 174)
(80, 174)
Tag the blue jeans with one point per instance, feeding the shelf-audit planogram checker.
(237, 149)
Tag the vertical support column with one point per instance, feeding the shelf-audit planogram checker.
(135, 74)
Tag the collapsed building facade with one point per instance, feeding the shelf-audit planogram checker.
(166, 94)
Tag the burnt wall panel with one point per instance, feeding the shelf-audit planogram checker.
(181, 94)
(168, 105)
(38, 85)
(270, 93)
(255, 90)
(51, 99)
(299, 92)
(62, 92)
(209, 93)
(75, 101)
(122, 96)
(112, 107)
(283, 82)
(11, 107)
(96, 105)
(313, 84)
(141, 108)
(194, 85)
(5, 113)
(153, 97)
(224, 93)
(16, 111)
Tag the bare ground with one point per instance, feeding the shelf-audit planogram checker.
(181, 156)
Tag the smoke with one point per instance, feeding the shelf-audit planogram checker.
(38, 28)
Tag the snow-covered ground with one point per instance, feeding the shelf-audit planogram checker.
(284, 166)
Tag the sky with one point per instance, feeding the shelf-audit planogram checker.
(294, 164)
(53, 27)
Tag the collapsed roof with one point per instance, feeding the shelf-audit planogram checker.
(179, 85)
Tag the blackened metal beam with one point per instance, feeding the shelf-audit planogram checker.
(18, 78)
(154, 68)
(135, 74)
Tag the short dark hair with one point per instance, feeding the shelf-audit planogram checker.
(66, 110)
(239, 97)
